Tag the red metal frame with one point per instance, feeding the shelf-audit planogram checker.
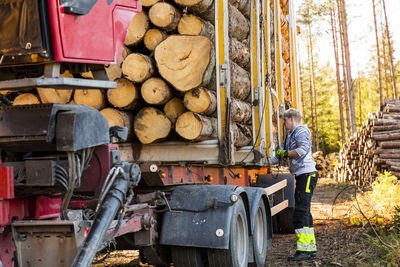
(94, 38)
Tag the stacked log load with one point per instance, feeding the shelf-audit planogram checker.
(166, 84)
(375, 147)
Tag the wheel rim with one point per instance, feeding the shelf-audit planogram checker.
(260, 230)
(241, 239)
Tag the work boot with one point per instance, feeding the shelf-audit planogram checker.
(313, 254)
(300, 256)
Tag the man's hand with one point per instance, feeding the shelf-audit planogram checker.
(281, 154)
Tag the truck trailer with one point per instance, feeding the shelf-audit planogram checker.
(71, 186)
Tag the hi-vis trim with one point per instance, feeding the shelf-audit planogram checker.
(304, 231)
(305, 247)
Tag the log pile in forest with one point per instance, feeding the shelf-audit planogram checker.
(375, 147)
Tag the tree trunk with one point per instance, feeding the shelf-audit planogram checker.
(241, 134)
(195, 127)
(240, 54)
(338, 81)
(164, 16)
(155, 91)
(348, 66)
(243, 6)
(153, 37)
(26, 99)
(390, 51)
(137, 67)
(49, 95)
(378, 55)
(174, 108)
(149, 3)
(137, 28)
(119, 118)
(186, 62)
(151, 125)
(311, 96)
(240, 82)
(92, 98)
(126, 96)
(240, 112)
(201, 101)
(385, 64)
(193, 25)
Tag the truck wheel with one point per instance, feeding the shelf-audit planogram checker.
(285, 221)
(237, 254)
(188, 256)
(260, 235)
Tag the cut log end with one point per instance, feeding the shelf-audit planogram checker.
(92, 98)
(137, 29)
(153, 37)
(118, 118)
(49, 95)
(195, 127)
(125, 96)
(137, 67)
(155, 91)
(26, 99)
(174, 108)
(151, 125)
(165, 16)
(200, 100)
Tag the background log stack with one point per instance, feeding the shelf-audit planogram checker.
(375, 147)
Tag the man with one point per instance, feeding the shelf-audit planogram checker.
(296, 148)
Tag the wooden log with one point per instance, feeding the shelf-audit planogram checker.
(201, 100)
(240, 82)
(137, 29)
(241, 134)
(174, 108)
(196, 6)
(391, 116)
(240, 54)
(397, 174)
(186, 62)
(193, 25)
(137, 67)
(119, 118)
(243, 6)
(195, 127)
(285, 6)
(126, 96)
(114, 71)
(240, 112)
(50, 95)
(164, 16)
(151, 125)
(380, 150)
(284, 26)
(153, 37)
(26, 99)
(155, 91)
(386, 128)
(385, 122)
(239, 26)
(389, 156)
(285, 50)
(389, 144)
(149, 3)
(92, 98)
(387, 136)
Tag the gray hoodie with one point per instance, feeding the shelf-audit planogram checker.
(299, 140)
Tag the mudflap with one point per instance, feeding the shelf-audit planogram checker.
(200, 216)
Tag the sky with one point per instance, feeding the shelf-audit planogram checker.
(361, 33)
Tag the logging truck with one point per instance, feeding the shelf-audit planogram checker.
(144, 124)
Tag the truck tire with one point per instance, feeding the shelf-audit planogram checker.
(238, 252)
(260, 236)
(188, 256)
(285, 221)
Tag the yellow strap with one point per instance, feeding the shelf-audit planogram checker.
(308, 183)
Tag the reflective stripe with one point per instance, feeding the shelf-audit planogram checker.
(305, 247)
(308, 183)
(305, 230)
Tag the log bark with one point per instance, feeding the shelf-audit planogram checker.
(285, 50)
(126, 96)
(240, 112)
(193, 25)
(240, 82)
(385, 122)
(195, 127)
(386, 128)
(196, 6)
(164, 16)
(50, 95)
(240, 54)
(186, 62)
(389, 144)
(151, 125)
(137, 29)
(389, 156)
(92, 98)
(284, 26)
(26, 99)
(114, 72)
(380, 150)
(243, 6)
(285, 6)
(137, 67)
(119, 118)
(174, 108)
(155, 91)
(149, 3)
(239, 26)
(201, 100)
(241, 134)
(153, 37)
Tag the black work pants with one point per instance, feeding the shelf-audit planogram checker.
(305, 184)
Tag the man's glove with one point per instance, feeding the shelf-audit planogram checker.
(281, 154)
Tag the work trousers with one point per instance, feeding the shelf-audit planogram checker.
(303, 220)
